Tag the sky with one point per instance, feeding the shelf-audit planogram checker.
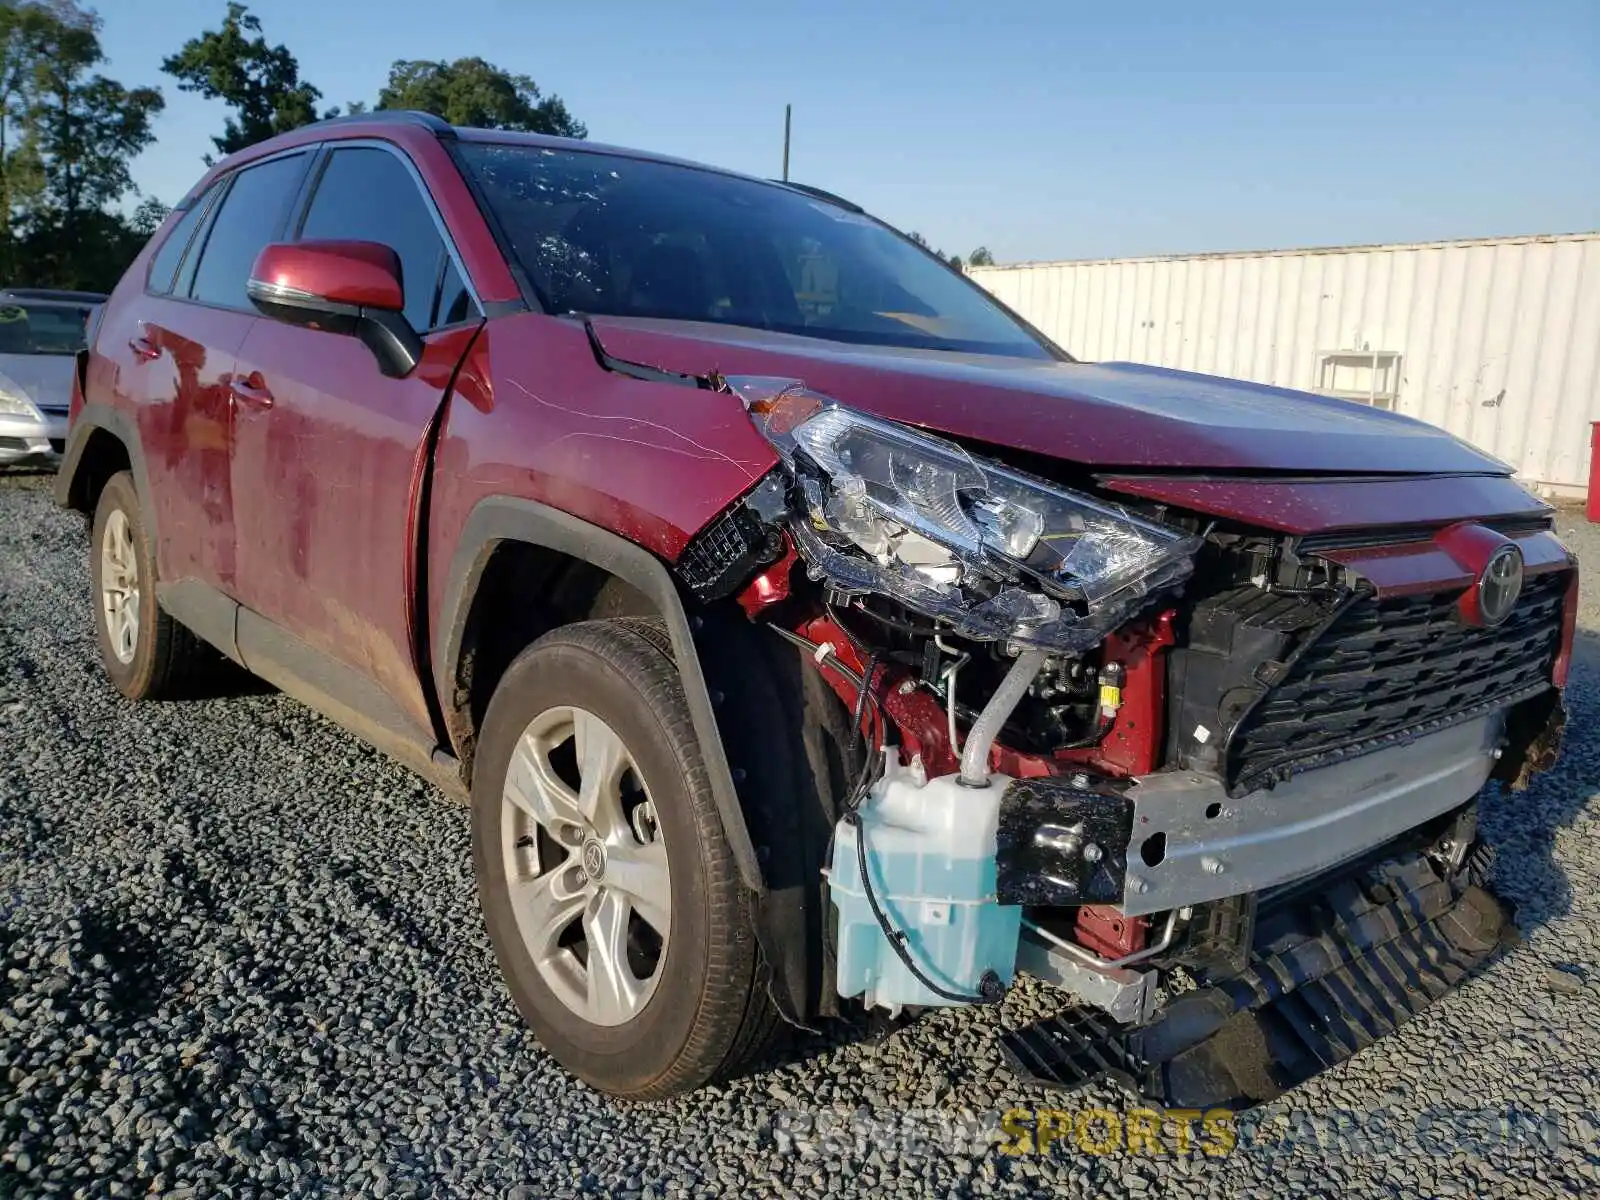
(1041, 130)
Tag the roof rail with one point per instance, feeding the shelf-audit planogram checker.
(438, 126)
(819, 194)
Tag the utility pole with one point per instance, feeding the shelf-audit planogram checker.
(786, 114)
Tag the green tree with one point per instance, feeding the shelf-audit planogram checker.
(147, 218)
(980, 258)
(23, 27)
(91, 256)
(76, 133)
(85, 128)
(470, 91)
(953, 259)
(261, 83)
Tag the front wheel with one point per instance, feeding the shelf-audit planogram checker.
(608, 887)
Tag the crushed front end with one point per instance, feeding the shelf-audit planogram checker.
(1215, 781)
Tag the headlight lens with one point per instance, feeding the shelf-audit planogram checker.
(954, 536)
(14, 403)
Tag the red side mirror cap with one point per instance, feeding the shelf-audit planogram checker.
(338, 276)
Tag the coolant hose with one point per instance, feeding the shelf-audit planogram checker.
(975, 755)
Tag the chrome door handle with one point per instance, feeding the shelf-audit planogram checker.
(251, 391)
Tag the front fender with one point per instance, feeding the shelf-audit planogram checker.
(499, 519)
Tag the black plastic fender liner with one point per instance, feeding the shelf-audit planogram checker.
(498, 519)
(794, 758)
(1332, 972)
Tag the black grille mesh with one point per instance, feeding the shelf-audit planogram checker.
(723, 555)
(1386, 670)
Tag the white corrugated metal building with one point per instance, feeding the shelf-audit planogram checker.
(1497, 340)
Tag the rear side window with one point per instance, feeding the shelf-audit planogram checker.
(367, 194)
(164, 266)
(252, 214)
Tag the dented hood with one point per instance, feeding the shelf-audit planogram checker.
(1103, 415)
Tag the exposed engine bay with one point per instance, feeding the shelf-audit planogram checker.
(1102, 736)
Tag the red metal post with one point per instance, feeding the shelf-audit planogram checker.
(1593, 511)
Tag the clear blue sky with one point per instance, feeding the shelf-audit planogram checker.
(1044, 130)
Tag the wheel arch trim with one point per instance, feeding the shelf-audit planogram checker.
(102, 418)
(499, 519)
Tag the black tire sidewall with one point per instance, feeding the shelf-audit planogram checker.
(628, 1057)
(131, 678)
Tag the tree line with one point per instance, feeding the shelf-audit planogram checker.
(978, 258)
(70, 213)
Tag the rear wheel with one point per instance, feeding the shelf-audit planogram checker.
(147, 654)
(610, 892)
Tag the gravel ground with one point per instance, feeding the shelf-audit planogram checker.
(240, 954)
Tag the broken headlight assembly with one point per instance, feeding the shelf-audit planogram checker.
(878, 507)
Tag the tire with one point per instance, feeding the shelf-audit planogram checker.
(703, 1013)
(156, 658)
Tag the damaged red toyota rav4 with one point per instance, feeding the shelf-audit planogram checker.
(809, 633)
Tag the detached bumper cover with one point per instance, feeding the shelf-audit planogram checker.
(1331, 973)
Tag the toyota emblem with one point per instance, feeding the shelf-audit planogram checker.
(1500, 584)
(593, 859)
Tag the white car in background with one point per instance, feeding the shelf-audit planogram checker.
(41, 332)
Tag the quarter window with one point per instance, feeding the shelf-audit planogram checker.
(164, 266)
(455, 303)
(367, 194)
(251, 216)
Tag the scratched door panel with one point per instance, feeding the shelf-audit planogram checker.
(328, 471)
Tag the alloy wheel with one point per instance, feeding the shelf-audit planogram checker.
(119, 585)
(587, 867)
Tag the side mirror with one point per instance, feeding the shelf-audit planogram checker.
(352, 288)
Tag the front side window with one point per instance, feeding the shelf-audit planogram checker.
(251, 216)
(366, 194)
(618, 236)
(53, 329)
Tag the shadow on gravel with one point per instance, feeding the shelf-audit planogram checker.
(1522, 826)
(223, 679)
(123, 1105)
(795, 1047)
(131, 973)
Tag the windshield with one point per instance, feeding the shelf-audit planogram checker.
(42, 328)
(606, 234)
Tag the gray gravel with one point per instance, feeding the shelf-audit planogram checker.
(240, 954)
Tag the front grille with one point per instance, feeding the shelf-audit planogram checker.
(1387, 670)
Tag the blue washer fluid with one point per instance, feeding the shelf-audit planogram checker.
(931, 861)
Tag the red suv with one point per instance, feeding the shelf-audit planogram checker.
(809, 633)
